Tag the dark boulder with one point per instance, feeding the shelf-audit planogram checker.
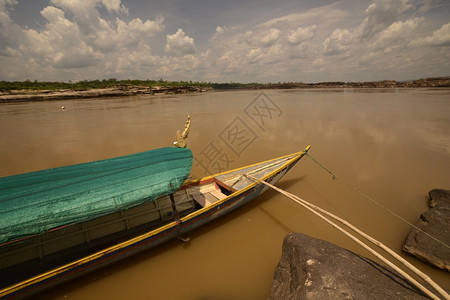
(436, 222)
(315, 269)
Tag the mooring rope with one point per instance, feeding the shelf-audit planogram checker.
(335, 177)
(319, 212)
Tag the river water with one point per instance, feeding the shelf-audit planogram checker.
(393, 145)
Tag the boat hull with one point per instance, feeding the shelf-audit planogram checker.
(149, 239)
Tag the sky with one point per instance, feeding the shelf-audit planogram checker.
(224, 41)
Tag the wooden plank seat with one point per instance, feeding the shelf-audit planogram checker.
(209, 193)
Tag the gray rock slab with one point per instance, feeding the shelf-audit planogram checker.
(436, 222)
(310, 268)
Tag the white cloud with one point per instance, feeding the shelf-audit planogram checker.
(75, 40)
(323, 44)
(80, 39)
(53, 14)
(440, 37)
(302, 51)
(324, 15)
(381, 14)
(3, 4)
(269, 38)
(10, 33)
(60, 45)
(338, 42)
(148, 27)
(397, 34)
(84, 12)
(229, 63)
(217, 36)
(180, 67)
(180, 44)
(105, 35)
(255, 55)
(302, 34)
(379, 29)
(114, 6)
(136, 30)
(272, 48)
(265, 55)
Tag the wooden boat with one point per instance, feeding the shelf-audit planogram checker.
(40, 260)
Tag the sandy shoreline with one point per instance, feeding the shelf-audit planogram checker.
(119, 91)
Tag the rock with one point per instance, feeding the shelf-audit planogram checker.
(436, 222)
(315, 269)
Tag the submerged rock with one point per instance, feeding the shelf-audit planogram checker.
(436, 222)
(315, 269)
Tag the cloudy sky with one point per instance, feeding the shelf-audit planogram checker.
(224, 40)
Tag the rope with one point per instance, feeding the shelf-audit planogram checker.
(319, 212)
(377, 203)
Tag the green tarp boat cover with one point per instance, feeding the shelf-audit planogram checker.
(35, 202)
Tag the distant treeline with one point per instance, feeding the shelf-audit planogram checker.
(112, 82)
(92, 84)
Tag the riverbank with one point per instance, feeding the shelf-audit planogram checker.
(119, 89)
(435, 82)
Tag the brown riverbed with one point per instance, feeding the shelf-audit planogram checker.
(393, 144)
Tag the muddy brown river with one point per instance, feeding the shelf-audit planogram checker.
(393, 145)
